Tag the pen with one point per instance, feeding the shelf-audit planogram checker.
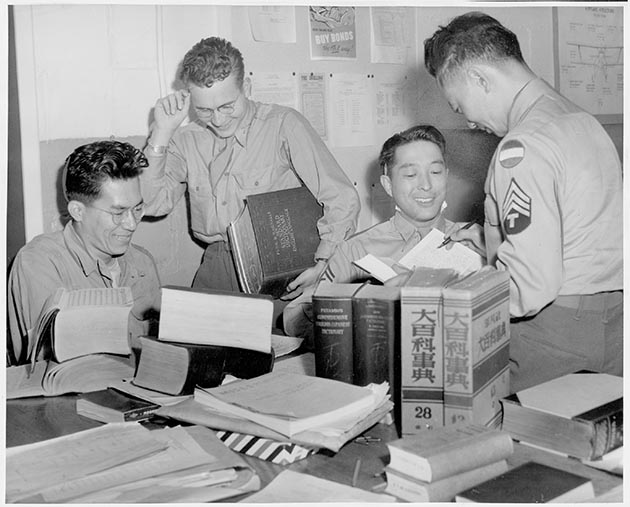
(449, 239)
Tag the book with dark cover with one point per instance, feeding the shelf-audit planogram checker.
(274, 239)
(333, 330)
(176, 368)
(531, 482)
(376, 341)
(112, 405)
(476, 347)
(443, 490)
(447, 451)
(421, 350)
(588, 435)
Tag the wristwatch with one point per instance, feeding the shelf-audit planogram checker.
(157, 150)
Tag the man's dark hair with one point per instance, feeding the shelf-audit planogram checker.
(417, 133)
(474, 36)
(212, 59)
(87, 167)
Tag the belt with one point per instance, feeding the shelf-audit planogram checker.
(592, 302)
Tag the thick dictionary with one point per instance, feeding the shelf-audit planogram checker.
(177, 368)
(593, 429)
(333, 330)
(476, 347)
(450, 450)
(274, 239)
(421, 350)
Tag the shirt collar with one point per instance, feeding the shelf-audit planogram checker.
(524, 100)
(407, 229)
(243, 130)
(75, 245)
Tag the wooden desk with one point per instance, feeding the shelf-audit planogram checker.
(34, 419)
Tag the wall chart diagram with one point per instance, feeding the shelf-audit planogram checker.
(590, 58)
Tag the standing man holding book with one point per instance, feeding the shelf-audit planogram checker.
(101, 184)
(234, 148)
(553, 203)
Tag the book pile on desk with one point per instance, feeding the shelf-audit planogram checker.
(440, 340)
(127, 463)
(436, 465)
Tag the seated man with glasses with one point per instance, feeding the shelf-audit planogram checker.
(102, 187)
(237, 147)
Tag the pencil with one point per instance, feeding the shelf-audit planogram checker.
(355, 475)
(449, 239)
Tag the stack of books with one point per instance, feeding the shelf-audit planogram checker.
(441, 341)
(203, 336)
(435, 466)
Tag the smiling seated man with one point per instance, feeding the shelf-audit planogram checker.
(415, 177)
(101, 184)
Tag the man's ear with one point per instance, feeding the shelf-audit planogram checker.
(76, 209)
(386, 183)
(247, 87)
(480, 77)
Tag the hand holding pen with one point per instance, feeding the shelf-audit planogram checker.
(449, 238)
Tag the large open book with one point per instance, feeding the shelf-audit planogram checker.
(274, 239)
(78, 322)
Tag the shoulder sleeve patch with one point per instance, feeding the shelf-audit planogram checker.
(511, 153)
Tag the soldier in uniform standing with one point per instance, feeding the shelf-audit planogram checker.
(553, 203)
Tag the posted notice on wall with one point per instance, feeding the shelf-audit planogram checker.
(313, 98)
(352, 100)
(391, 34)
(274, 88)
(333, 33)
(270, 23)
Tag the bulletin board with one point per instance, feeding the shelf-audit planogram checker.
(589, 59)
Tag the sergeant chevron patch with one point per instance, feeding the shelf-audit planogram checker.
(517, 209)
(512, 152)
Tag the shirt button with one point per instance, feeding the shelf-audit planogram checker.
(256, 183)
(224, 203)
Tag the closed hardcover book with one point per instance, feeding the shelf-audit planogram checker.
(421, 351)
(531, 482)
(333, 330)
(476, 347)
(580, 414)
(177, 368)
(376, 313)
(274, 239)
(112, 405)
(448, 451)
(443, 490)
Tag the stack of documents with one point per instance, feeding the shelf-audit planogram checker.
(125, 462)
(283, 406)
